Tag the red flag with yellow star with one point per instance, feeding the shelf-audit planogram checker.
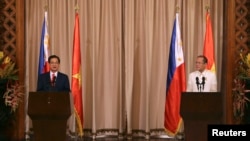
(76, 85)
(208, 50)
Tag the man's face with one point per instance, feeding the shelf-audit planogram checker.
(54, 64)
(200, 65)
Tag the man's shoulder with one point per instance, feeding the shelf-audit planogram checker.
(194, 73)
(62, 74)
(210, 72)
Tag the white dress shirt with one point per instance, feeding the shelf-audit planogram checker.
(51, 74)
(202, 82)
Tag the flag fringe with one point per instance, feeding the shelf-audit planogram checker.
(171, 134)
(79, 123)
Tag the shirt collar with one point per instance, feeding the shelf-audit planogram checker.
(54, 73)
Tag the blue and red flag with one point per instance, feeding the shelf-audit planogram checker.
(176, 82)
(44, 47)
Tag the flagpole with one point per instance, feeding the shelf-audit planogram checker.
(76, 75)
(74, 125)
(176, 82)
(94, 77)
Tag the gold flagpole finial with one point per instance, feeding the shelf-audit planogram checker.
(177, 9)
(207, 8)
(77, 7)
(46, 5)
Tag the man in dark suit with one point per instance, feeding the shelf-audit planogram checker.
(53, 80)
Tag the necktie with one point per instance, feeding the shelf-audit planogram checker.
(53, 79)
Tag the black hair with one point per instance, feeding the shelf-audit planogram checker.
(204, 58)
(54, 56)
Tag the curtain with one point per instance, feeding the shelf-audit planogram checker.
(124, 48)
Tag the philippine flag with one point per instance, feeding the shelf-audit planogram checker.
(176, 82)
(44, 47)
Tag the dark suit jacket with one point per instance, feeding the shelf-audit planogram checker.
(61, 82)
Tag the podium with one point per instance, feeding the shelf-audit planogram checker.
(198, 109)
(49, 112)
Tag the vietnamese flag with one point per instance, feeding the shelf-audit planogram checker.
(77, 77)
(208, 49)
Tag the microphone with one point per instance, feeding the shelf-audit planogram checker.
(203, 82)
(197, 83)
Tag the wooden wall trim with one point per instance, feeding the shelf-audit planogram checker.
(12, 44)
(236, 42)
(20, 54)
(228, 57)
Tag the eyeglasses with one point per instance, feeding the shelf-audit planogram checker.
(54, 63)
(199, 63)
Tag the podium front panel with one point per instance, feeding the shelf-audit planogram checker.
(53, 105)
(198, 110)
(201, 105)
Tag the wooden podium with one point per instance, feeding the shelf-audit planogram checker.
(49, 112)
(198, 109)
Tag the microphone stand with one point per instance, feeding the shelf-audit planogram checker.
(203, 82)
(197, 83)
(200, 86)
